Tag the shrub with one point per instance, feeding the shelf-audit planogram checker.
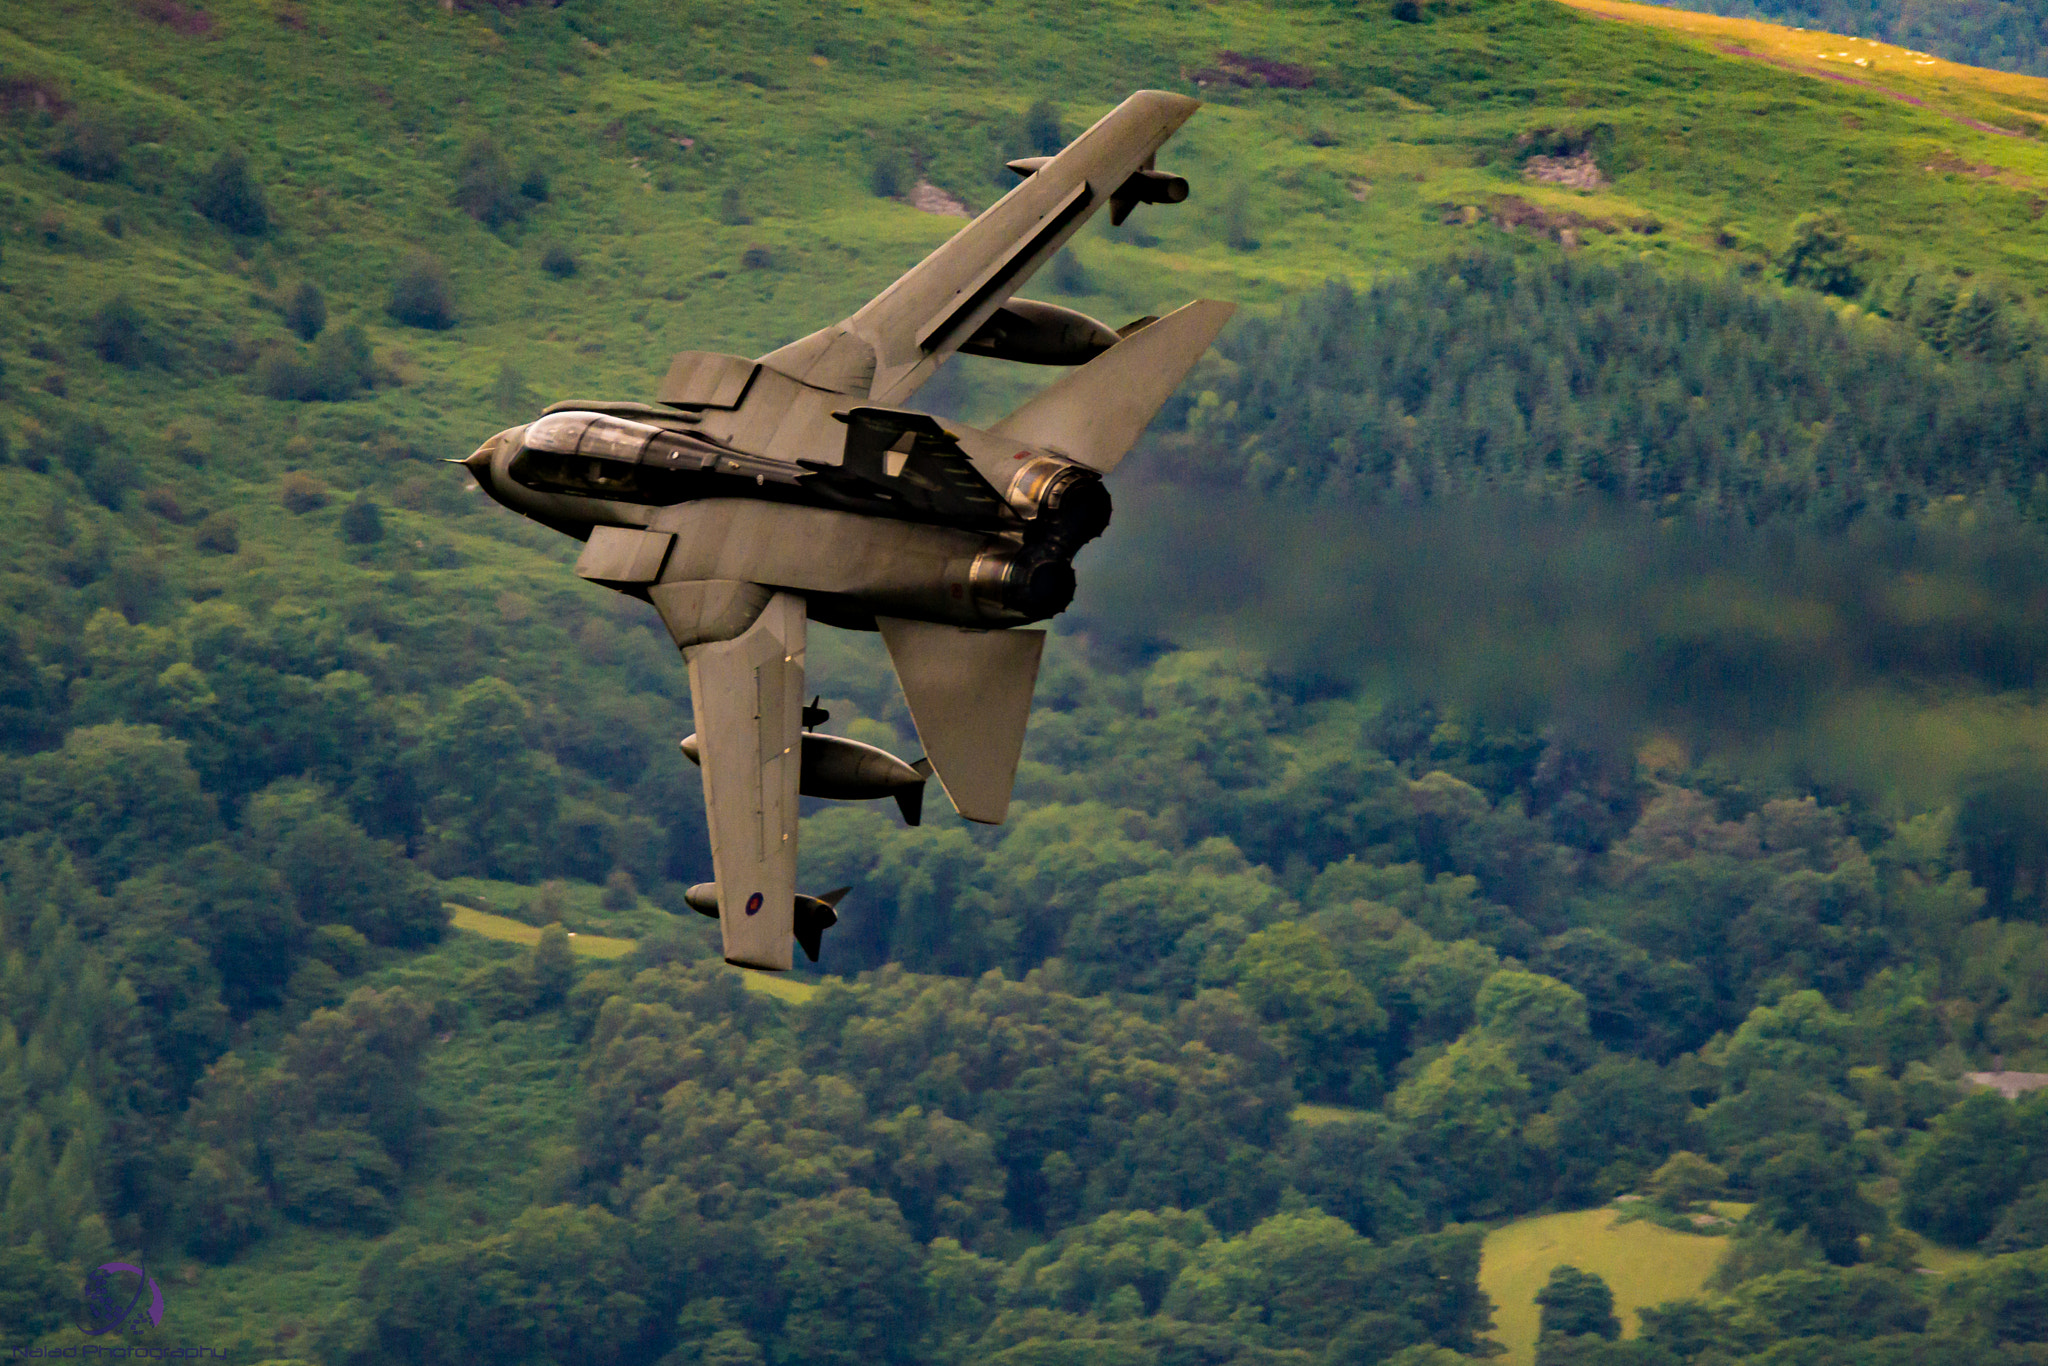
(558, 261)
(221, 1206)
(509, 391)
(1686, 1180)
(550, 906)
(732, 207)
(341, 364)
(1822, 256)
(336, 1178)
(220, 534)
(483, 185)
(88, 148)
(420, 297)
(1577, 1303)
(486, 189)
(284, 374)
(228, 196)
(361, 522)
(108, 482)
(116, 333)
(302, 493)
(757, 257)
(338, 367)
(1237, 221)
(1042, 128)
(552, 967)
(186, 444)
(78, 444)
(163, 501)
(889, 174)
(620, 894)
(305, 313)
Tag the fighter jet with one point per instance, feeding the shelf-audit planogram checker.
(753, 496)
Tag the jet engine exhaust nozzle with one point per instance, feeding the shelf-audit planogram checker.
(1029, 583)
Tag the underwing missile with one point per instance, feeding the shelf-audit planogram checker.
(838, 769)
(814, 914)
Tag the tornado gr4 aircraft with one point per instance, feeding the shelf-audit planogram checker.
(753, 496)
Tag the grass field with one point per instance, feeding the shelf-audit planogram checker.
(1942, 1260)
(1307, 1113)
(1947, 86)
(1643, 1263)
(512, 931)
(603, 946)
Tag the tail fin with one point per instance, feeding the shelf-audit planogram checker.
(1097, 412)
(910, 800)
(814, 916)
(970, 696)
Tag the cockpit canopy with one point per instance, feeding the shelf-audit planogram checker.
(596, 455)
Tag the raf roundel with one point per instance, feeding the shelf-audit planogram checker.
(754, 904)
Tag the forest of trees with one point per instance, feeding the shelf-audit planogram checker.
(1049, 1109)
(1555, 377)
(1060, 1110)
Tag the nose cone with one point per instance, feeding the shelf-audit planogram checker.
(478, 463)
(483, 461)
(480, 458)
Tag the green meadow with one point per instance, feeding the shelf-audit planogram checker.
(1644, 1263)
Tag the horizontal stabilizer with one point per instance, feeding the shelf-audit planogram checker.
(1096, 413)
(970, 697)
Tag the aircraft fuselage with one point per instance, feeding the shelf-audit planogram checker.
(807, 526)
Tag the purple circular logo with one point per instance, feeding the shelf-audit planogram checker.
(111, 1300)
(754, 904)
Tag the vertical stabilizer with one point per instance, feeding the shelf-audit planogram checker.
(970, 696)
(1097, 412)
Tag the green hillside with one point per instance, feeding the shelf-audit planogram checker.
(1557, 715)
